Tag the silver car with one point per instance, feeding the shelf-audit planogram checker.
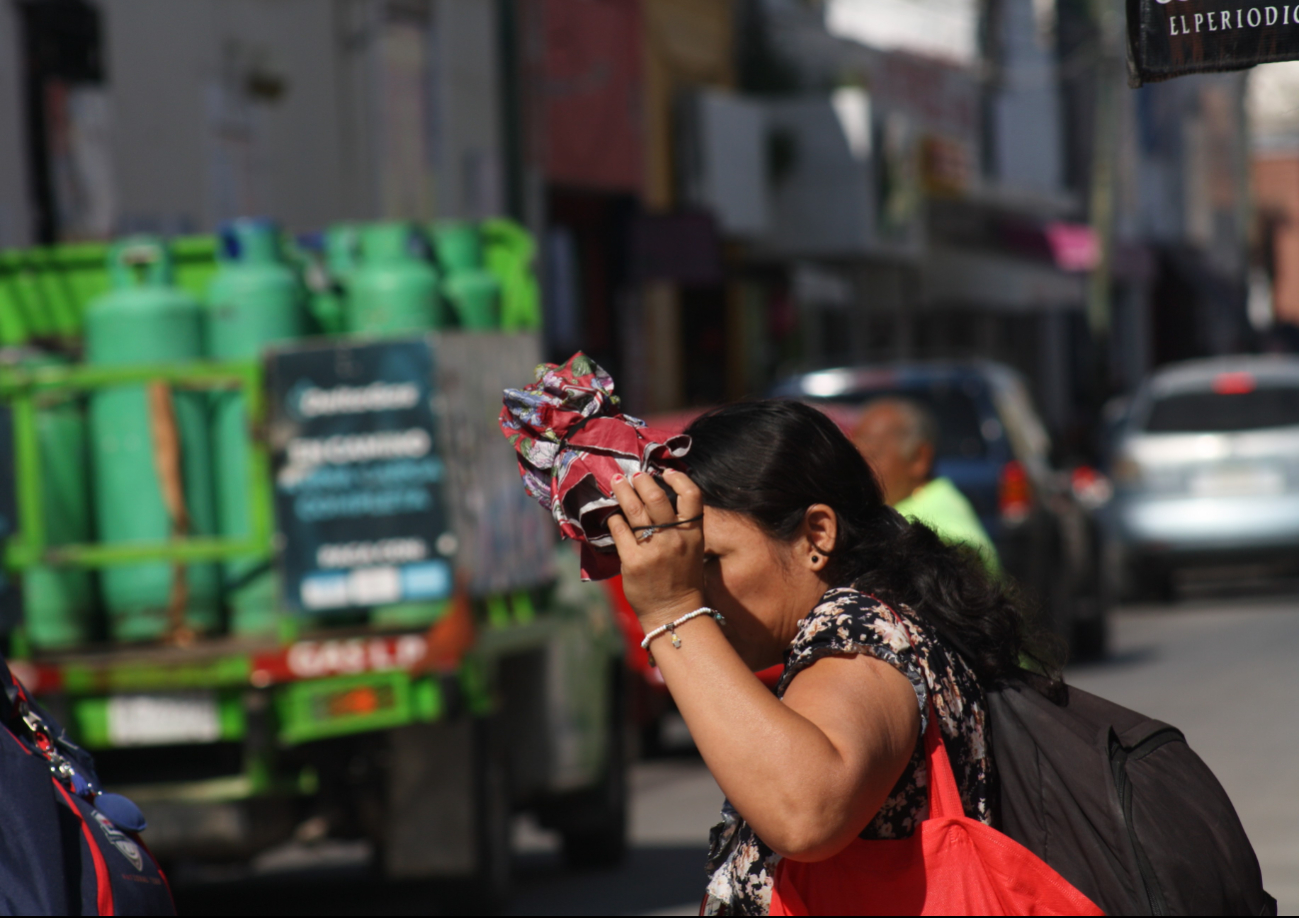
(1206, 472)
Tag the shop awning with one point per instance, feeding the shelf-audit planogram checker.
(953, 277)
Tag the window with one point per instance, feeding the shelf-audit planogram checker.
(1213, 412)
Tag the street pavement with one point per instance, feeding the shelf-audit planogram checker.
(1221, 667)
(675, 801)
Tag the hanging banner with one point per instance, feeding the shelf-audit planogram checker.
(1169, 38)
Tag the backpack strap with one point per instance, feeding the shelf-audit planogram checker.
(944, 796)
(40, 734)
(103, 882)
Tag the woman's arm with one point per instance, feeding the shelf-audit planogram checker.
(809, 773)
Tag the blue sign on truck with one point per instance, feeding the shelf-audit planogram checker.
(359, 476)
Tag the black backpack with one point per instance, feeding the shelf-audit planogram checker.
(66, 847)
(1120, 806)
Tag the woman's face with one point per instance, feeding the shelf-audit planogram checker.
(756, 582)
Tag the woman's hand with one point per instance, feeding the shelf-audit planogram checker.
(662, 572)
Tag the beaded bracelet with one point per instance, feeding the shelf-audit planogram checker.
(673, 626)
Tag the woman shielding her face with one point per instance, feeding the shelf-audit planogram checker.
(781, 529)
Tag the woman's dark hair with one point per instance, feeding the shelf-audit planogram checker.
(770, 460)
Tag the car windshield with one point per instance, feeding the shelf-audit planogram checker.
(960, 435)
(1214, 412)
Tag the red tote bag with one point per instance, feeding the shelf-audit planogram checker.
(952, 865)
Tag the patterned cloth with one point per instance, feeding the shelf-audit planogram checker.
(571, 441)
(848, 622)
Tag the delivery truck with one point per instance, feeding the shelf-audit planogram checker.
(267, 555)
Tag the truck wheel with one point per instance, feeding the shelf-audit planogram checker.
(493, 883)
(605, 843)
(1057, 592)
(1154, 585)
(1090, 637)
(597, 834)
(448, 812)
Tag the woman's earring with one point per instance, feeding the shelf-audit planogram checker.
(816, 559)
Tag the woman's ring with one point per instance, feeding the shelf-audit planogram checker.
(645, 534)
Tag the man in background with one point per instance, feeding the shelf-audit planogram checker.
(899, 438)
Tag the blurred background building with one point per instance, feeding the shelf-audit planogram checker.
(720, 195)
(723, 190)
(1274, 272)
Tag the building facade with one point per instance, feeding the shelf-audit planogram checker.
(723, 191)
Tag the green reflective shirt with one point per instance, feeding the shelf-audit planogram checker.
(940, 506)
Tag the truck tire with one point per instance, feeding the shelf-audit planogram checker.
(1090, 637)
(596, 834)
(1154, 585)
(449, 810)
(492, 885)
(1055, 586)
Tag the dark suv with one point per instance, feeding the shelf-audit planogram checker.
(994, 448)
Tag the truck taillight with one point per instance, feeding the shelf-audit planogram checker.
(1014, 493)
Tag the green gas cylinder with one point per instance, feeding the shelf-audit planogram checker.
(343, 250)
(473, 292)
(58, 603)
(143, 320)
(255, 299)
(509, 254)
(395, 288)
(326, 293)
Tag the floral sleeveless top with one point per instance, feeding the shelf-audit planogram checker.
(848, 622)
